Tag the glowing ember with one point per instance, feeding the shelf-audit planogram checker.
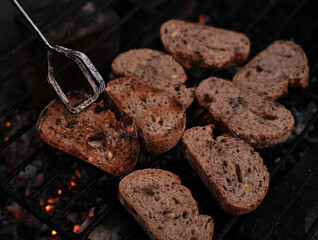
(201, 18)
(91, 212)
(7, 124)
(102, 101)
(52, 200)
(73, 184)
(54, 232)
(6, 139)
(14, 210)
(77, 173)
(75, 228)
(49, 208)
(59, 192)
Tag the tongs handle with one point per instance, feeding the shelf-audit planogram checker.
(35, 28)
(82, 61)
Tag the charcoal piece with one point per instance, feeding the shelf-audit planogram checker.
(117, 225)
(78, 31)
(291, 208)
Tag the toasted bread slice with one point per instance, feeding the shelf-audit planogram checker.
(229, 167)
(245, 114)
(204, 46)
(281, 64)
(163, 207)
(94, 135)
(159, 116)
(156, 69)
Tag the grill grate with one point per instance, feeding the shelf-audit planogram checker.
(252, 24)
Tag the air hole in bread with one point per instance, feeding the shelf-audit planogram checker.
(185, 214)
(259, 69)
(148, 191)
(238, 172)
(58, 121)
(153, 118)
(269, 117)
(142, 98)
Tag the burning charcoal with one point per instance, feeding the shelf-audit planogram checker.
(115, 227)
(289, 211)
(29, 172)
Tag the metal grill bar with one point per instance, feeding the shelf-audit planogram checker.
(71, 203)
(24, 164)
(50, 179)
(282, 163)
(150, 25)
(292, 199)
(34, 209)
(284, 24)
(97, 220)
(18, 134)
(261, 16)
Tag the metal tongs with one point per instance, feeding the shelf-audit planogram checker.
(82, 61)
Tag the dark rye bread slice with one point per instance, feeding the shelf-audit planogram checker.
(94, 135)
(245, 114)
(229, 167)
(281, 64)
(156, 69)
(159, 116)
(204, 46)
(163, 207)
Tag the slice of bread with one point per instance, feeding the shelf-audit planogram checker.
(94, 135)
(229, 167)
(156, 69)
(204, 46)
(281, 64)
(159, 116)
(163, 207)
(245, 114)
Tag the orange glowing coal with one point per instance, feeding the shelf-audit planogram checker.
(6, 139)
(49, 208)
(52, 200)
(73, 184)
(91, 212)
(59, 192)
(102, 101)
(54, 232)
(7, 124)
(75, 228)
(14, 210)
(201, 18)
(78, 173)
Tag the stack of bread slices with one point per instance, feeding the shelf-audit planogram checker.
(145, 106)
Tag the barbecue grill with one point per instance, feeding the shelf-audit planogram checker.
(61, 196)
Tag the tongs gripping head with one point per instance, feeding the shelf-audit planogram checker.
(87, 68)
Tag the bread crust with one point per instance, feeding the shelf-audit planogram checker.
(152, 231)
(216, 189)
(189, 58)
(257, 140)
(154, 143)
(301, 82)
(94, 135)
